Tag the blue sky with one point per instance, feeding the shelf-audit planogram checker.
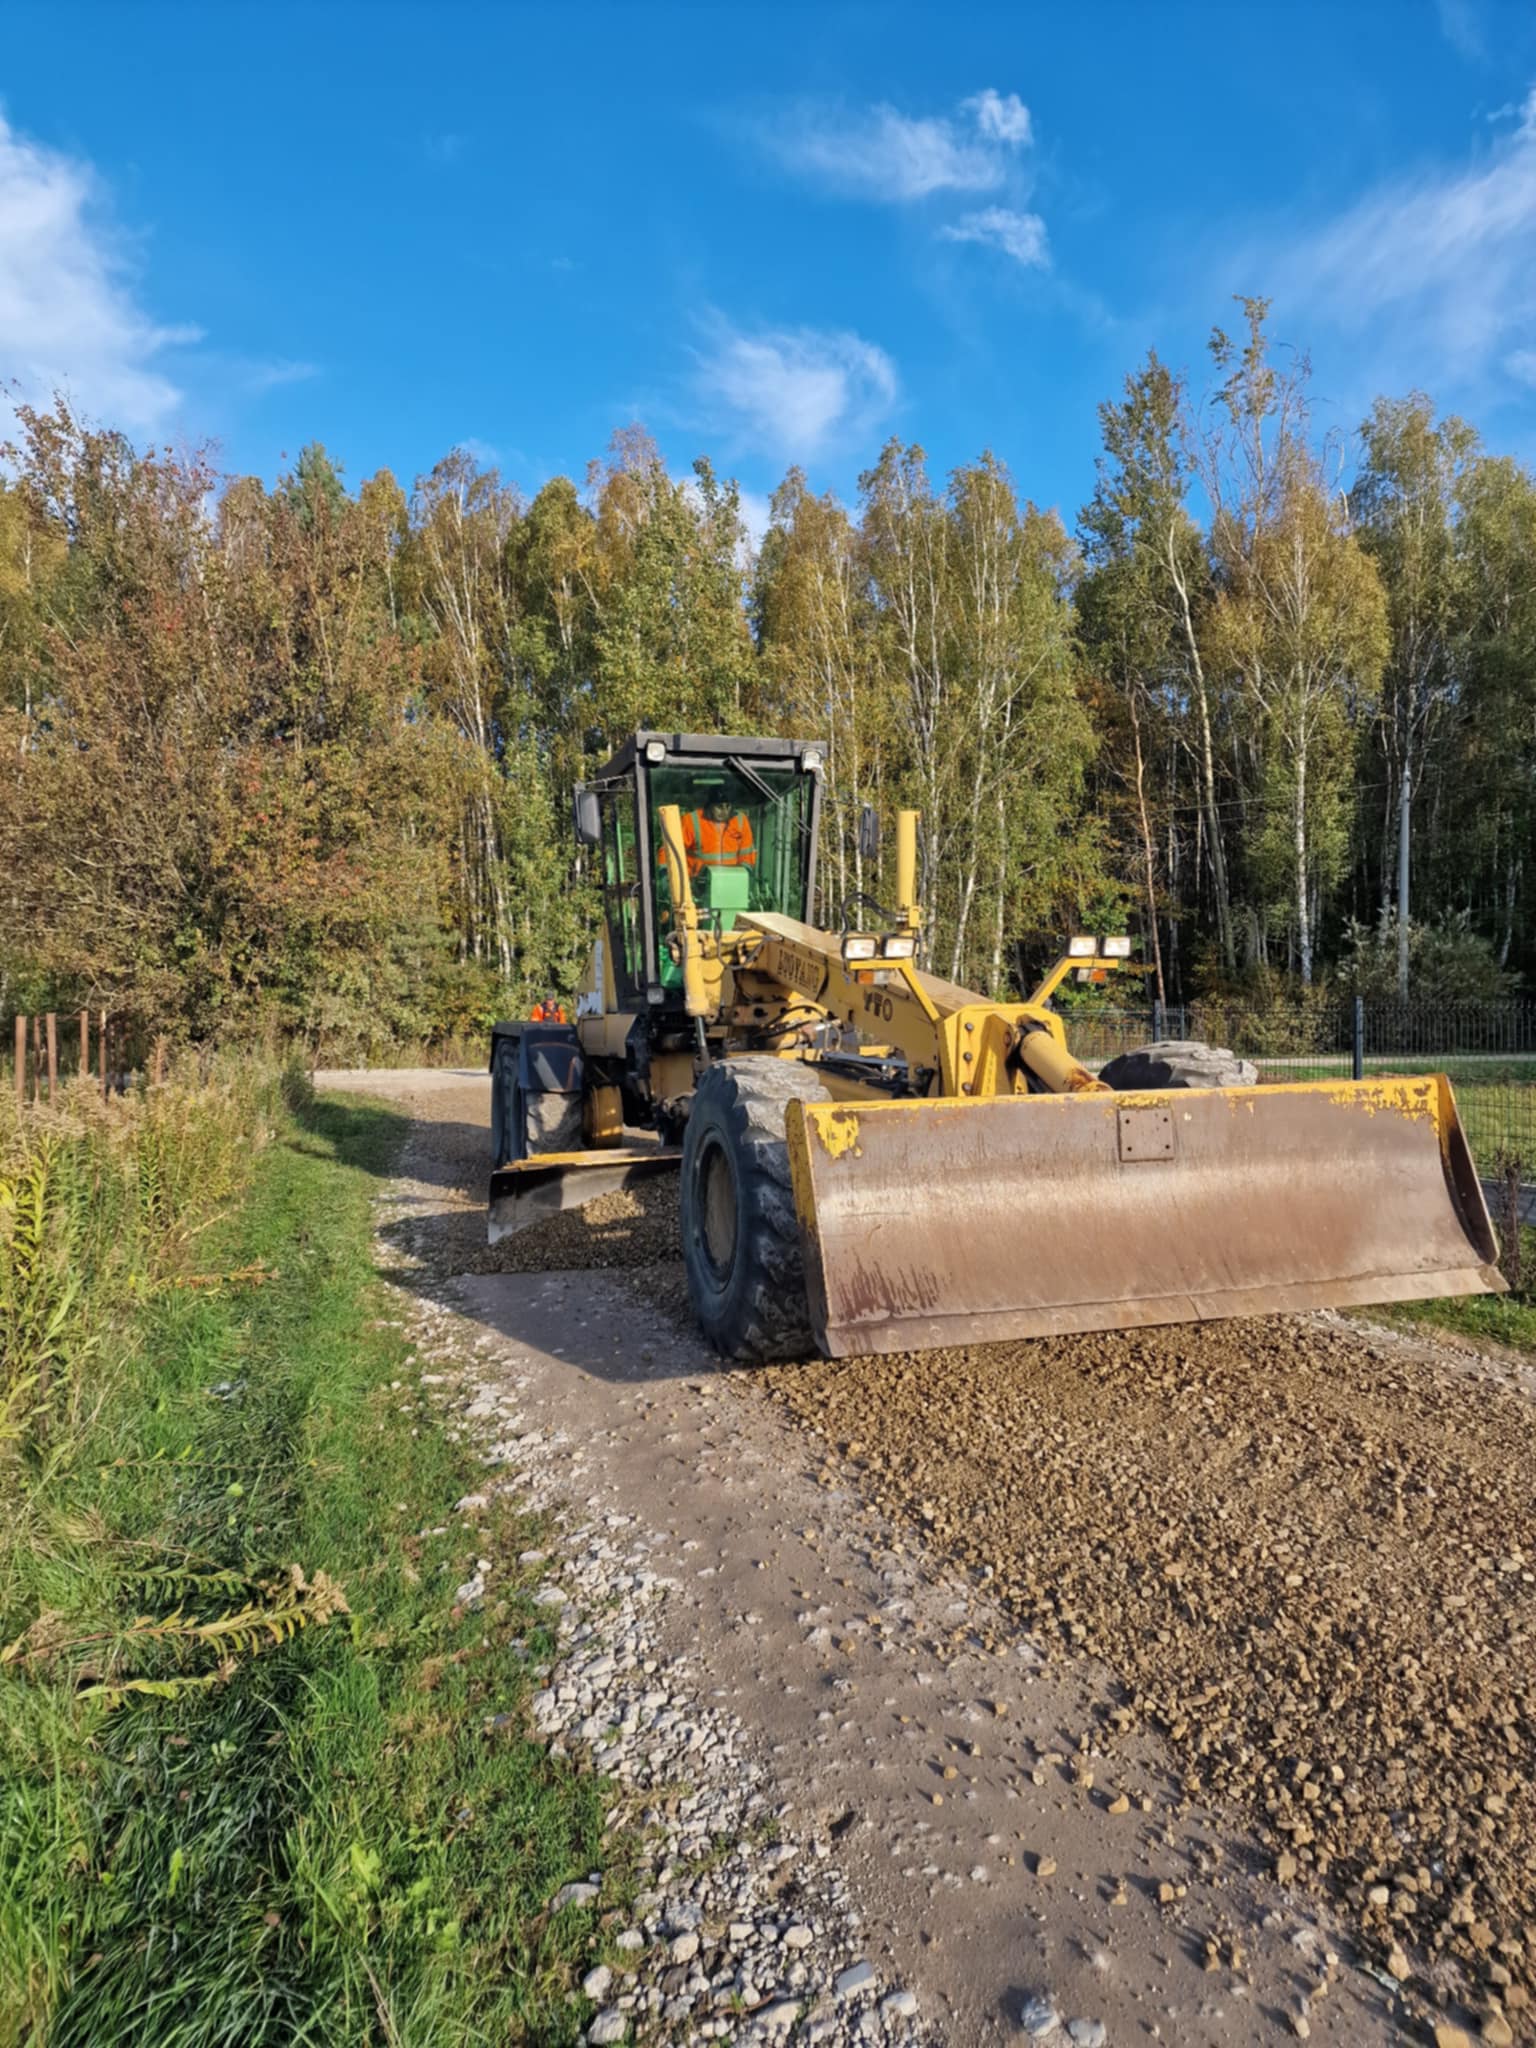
(773, 234)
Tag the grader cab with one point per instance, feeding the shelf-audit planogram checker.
(873, 1158)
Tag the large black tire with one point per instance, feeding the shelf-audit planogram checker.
(506, 1125)
(1178, 1063)
(741, 1239)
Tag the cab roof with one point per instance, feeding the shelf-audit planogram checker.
(708, 748)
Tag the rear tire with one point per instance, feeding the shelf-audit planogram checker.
(506, 1122)
(1178, 1063)
(741, 1236)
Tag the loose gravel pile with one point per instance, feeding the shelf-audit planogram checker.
(1309, 1556)
(725, 1921)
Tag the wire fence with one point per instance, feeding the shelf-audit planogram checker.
(1488, 1049)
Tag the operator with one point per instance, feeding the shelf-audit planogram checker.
(549, 1011)
(717, 837)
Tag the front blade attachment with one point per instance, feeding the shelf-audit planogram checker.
(956, 1222)
(528, 1190)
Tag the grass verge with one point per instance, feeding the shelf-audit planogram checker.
(1504, 1319)
(321, 1820)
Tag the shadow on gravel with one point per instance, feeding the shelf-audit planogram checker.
(603, 1324)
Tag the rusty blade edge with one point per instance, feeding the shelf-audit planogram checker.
(937, 1332)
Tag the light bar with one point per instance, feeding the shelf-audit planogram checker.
(1082, 948)
(899, 946)
(856, 946)
(1117, 949)
(655, 750)
(810, 760)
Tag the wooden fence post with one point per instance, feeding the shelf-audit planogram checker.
(21, 1062)
(37, 1057)
(102, 1034)
(85, 1045)
(53, 1054)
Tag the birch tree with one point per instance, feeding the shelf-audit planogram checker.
(1404, 501)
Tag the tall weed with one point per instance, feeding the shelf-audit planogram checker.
(101, 1204)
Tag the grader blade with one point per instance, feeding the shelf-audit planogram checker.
(528, 1190)
(944, 1222)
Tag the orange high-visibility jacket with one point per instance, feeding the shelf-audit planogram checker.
(547, 1013)
(708, 845)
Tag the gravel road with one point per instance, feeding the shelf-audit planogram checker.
(1289, 1565)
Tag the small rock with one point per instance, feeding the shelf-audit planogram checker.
(1447, 2036)
(781, 2016)
(1045, 1866)
(630, 1939)
(685, 1948)
(1378, 1895)
(1301, 2026)
(858, 1978)
(1285, 1866)
(1119, 1805)
(573, 1895)
(611, 2025)
(798, 1937)
(1087, 2033)
(1039, 2018)
(1399, 1966)
(595, 1983)
(900, 2005)
(1497, 2031)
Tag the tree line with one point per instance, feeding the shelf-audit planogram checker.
(299, 759)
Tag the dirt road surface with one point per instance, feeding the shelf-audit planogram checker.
(1184, 1678)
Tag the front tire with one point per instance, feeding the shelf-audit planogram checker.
(1178, 1063)
(741, 1236)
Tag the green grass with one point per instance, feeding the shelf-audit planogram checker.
(328, 1843)
(1505, 1319)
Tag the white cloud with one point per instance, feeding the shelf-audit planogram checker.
(793, 390)
(1444, 259)
(1001, 116)
(271, 376)
(68, 315)
(756, 516)
(1461, 27)
(485, 453)
(1521, 364)
(1019, 235)
(882, 154)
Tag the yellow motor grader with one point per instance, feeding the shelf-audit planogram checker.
(873, 1159)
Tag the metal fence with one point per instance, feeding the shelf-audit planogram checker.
(1488, 1050)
